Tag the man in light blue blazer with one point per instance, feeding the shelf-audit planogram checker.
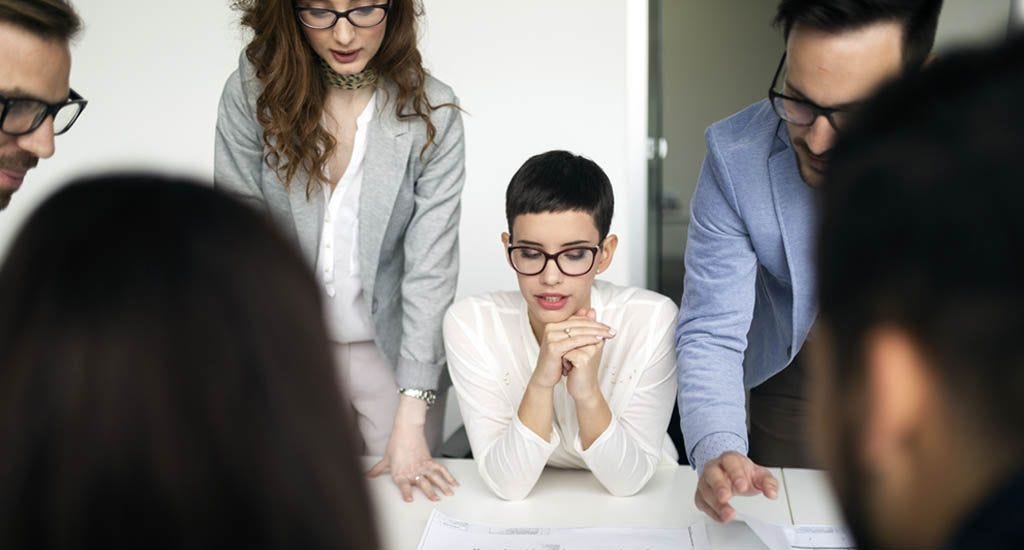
(748, 302)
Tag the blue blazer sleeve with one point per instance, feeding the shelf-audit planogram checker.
(715, 314)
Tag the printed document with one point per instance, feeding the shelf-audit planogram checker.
(445, 533)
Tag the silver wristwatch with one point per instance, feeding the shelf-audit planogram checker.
(429, 396)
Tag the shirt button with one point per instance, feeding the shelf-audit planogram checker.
(330, 291)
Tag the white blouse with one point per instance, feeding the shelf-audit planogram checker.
(337, 263)
(492, 352)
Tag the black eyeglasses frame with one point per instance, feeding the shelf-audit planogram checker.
(339, 15)
(816, 109)
(549, 257)
(51, 111)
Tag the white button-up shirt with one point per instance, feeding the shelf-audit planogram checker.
(337, 264)
(492, 351)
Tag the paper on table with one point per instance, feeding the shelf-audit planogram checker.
(446, 533)
(799, 537)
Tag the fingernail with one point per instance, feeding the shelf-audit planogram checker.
(611, 331)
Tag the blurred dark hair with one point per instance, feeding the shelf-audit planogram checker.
(559, 181)
(54, 19)
(166, 380)
(923, 229)
(919, 18)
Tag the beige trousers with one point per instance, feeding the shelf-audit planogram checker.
(369, 381)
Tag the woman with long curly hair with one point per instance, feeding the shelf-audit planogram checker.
(332, 126)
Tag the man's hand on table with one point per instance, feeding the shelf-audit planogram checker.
(728, 475)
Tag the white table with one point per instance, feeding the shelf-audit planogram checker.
(568, 498)
(811, 499)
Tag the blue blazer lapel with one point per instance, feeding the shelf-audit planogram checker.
(795, 207)
(387, 156)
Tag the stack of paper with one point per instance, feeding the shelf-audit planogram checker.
(445, 533)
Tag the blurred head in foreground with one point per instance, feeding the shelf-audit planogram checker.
(166, 381)
(919, 372)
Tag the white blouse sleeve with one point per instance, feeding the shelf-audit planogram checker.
(509, 455)
(626, 455)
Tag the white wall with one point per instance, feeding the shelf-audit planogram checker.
(152, 77)
(541, 76)
(532, 76)
(537, 76)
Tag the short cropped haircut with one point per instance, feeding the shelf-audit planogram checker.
(559, 181)
(923, 230)
(167, 381)
(919, 18)
(52, 19)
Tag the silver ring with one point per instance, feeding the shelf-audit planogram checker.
(568, 332)
(416, 479)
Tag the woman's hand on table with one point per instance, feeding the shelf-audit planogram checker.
(407, 456)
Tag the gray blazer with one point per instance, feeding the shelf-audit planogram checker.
(408, 215)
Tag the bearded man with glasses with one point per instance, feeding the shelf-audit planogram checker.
(748, 302)
(36, 102)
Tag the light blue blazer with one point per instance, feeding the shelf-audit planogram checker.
(749, 291)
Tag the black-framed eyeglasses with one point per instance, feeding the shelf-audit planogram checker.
(20, 116)
(801, 111)
(362, 17)
(572, 262)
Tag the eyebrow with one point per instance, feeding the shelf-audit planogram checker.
(16, 93)
(19, 93)
(564, 245)
(802, 96)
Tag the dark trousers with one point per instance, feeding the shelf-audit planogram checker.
(778, 419)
